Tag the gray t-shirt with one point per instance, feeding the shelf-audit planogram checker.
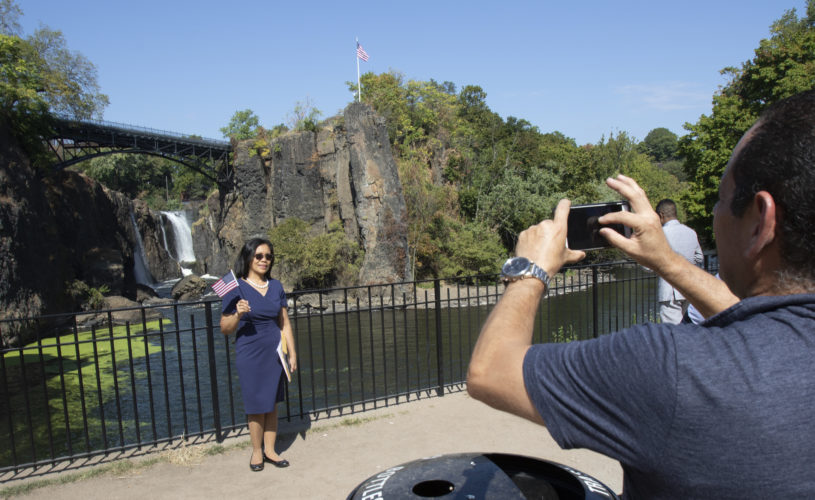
(724, 410)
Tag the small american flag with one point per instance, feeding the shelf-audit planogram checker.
(361, 53)
(225, 284)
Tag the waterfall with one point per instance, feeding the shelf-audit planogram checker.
(182, 237)
(140, 270)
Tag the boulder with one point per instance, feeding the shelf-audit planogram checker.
(145, 293)
(189, 288)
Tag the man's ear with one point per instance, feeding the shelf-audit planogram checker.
(764, 227)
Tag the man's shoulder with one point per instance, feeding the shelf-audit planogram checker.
(676, 226)
(796, 305)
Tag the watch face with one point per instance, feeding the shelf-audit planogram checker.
(515, 266)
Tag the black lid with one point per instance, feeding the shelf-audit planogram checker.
(481, 476)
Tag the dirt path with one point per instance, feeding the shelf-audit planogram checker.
(336, 454)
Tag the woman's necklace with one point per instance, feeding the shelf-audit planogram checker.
(264, 285)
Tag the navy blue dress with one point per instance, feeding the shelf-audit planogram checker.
(258, 335)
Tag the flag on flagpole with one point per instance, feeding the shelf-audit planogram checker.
(225, 284)
(361, 53)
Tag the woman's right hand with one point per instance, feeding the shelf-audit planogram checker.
(229, 322)
(242, 307)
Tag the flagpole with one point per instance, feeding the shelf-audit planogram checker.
(359, 87)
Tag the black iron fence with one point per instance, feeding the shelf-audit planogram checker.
(124, 379)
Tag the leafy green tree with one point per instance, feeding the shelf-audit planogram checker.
(243, 125)
(612, 155)
(426, 205)
(187, 184)
(40, 75)
(386, 96)
(783, 65)
(518, 200)
(161, 182)
(69, 78)
(660, 144)
(20, 82)
(138, 176)
(471, 248)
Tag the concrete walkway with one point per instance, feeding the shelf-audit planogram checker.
(334, 455)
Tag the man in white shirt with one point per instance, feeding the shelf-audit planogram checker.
(683, 240)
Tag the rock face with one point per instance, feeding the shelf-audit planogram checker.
(345, 171)
(63, 227)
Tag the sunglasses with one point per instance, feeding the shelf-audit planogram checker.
(260, 256)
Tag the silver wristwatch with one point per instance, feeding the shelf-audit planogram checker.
(518, 268)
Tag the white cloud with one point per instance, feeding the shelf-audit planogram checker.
(672, 96)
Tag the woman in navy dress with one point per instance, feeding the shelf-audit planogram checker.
(256, 310)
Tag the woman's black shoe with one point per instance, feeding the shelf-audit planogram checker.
(257, 467)
(281, 464)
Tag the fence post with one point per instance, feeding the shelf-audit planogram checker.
(439, 357)
(595, 321)
(213, 374)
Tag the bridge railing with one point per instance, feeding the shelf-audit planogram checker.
(108, 381)
(146, 131)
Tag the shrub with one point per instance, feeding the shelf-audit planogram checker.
(315, 261)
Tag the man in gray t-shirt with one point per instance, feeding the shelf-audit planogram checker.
(718, 410)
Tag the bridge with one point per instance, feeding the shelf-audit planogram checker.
(75, 140)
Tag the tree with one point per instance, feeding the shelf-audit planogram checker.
(783, 65)
(518, 200)
(22, 105)
(385, 94)
(471, 248)
(243, 125)
(10, 14)
(304, 116)
(39, 75)
(660, 144)
(69, 79)
(21, 80)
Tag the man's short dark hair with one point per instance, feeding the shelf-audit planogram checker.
(780, 158)
(667, 208)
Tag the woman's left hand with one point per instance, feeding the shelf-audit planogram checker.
(293, 361)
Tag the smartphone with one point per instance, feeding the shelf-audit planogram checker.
(583, 231)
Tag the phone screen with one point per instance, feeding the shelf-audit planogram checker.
(584, 230)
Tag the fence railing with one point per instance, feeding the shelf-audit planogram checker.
(124, 379)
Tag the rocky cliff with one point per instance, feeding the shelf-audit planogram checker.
(62, 227)
(344, 171)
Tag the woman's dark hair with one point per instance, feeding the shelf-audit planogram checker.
(244, 261)
(779, 158)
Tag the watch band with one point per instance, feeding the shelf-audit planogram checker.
(511, 271)
(539, 273)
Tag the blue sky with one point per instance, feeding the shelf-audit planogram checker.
(586, 69)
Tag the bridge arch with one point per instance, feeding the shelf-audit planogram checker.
(74, 141)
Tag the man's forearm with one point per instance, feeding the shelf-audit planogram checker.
(707, 293)
(495, 375)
